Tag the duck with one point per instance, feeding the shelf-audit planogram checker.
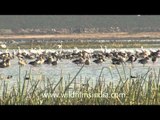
(154, 59)
(5, 77)
(27, 78)
(49, 60)
(143, 61)
(87, 62)
(133, 76)
(98, 61)
(30, 56)
(132, 59)
(38, 61)
(54, 62)
(118, 61)
(22, 62)
(9, 76)
(34, 63)
(79, 61)
(5, 63)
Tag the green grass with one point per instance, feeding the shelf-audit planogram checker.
(143, 90)
(82, 45)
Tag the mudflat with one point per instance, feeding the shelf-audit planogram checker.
(118, 35)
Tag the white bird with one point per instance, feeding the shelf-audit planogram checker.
(59, 46)
(75, 50)
(19, 50)
(3, 45)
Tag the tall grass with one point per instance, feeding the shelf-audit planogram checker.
(142, 90)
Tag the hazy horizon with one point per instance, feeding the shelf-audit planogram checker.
(79, 21)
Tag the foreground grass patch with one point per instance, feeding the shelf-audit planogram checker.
(142, 90)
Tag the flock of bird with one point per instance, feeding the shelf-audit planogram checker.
(86, 56)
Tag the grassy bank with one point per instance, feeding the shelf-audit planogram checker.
(142, 90)
(72, 45)
(81, 40)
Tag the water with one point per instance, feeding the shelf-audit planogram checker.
(68, 70)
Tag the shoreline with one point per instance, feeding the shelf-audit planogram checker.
(117, 35)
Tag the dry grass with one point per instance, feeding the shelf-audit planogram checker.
(85, 36)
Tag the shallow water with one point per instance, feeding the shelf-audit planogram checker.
(68, 70)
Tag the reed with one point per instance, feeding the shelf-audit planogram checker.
(142, 90)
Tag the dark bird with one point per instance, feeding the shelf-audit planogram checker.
(132, 59)
(87, 62)
(143, 61)
(54, 62)
(5, 63)
(27, 78)
(34, 63)
(117, 61)
(154, 59)
(49, 60)
(79, 61)
(133, 76)
(38, 61)
(9, 76)
(98, 61)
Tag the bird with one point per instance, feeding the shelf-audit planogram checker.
(79, 61)
(34, 63)
(118, 61)
(40, 60)
(98, 61)
(86, 62)
(143, 61)
(22, 62)
(3, 46)
(115, 62)
(49, 60)
(9, 76)
(132, 59)
(54, 62)
(5, 63)
(59, 46)
(133, 76)
(5, 77)
(27, 78)
(154, 59)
